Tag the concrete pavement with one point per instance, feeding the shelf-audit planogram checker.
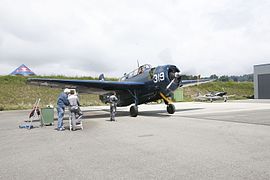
(200, 141)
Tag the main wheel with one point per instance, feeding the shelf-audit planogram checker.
(170, 108)
(133, 111)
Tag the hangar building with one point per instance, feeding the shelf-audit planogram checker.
(262, 81)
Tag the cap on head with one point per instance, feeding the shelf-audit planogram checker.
(66, 90)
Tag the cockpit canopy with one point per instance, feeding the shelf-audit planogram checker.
(135, 72)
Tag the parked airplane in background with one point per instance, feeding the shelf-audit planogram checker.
(213, 96)
(143, 85)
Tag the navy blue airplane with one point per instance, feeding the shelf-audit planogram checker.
(143, 85)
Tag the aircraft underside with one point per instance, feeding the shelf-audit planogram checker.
(143, 98)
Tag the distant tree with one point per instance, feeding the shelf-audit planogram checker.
(184, 77)
(224, 78)
(189, 77)
(234, 78)
(213, 76)
(246, 77)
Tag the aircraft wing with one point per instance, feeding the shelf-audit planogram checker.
(201, 98)
(186, 83)
(87, 86)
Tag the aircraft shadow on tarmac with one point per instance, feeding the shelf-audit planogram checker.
(155, 113)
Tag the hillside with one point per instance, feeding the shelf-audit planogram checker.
(16, 94)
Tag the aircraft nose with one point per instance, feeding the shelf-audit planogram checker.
(174, 78)
(174, 74)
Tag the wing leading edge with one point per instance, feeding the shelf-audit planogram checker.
(87, 86)
(186, 83)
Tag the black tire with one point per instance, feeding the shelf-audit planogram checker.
(170, 108)
(133, 111)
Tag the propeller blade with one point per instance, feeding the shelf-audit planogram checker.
(176, 79)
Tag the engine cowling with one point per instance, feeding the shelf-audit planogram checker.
(167, 78)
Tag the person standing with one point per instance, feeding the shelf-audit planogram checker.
(62, 102)
(113, 103)
(74, 109)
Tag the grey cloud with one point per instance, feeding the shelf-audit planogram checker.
(91, 37)
(166, 56)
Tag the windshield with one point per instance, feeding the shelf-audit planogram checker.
(135, 72)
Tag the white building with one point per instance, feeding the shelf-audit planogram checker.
(262, 81)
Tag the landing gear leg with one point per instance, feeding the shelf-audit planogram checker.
(168, 102)
(133, 111)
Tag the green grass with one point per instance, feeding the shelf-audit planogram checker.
(15, 94)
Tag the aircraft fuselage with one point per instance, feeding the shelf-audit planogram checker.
(156, 80)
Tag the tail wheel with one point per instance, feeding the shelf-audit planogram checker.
(133, 111)
(170, 108)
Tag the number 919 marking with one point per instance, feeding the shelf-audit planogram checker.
(158, 77)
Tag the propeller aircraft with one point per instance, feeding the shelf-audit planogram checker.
(213, 96)
(144, 84)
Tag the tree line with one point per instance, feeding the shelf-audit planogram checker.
(223, 78)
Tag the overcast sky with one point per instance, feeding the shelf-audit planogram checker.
(88, 37)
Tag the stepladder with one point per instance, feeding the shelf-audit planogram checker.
(34, 114)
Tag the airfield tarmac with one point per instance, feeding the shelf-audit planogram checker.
(200, 141)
